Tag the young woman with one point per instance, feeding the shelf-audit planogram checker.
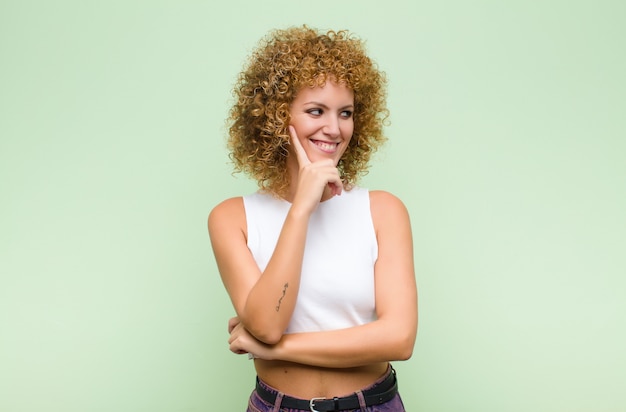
(319, 270)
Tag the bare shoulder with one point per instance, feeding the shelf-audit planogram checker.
(386, 206)
(227, 213)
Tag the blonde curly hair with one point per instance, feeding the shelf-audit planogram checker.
(284, 62)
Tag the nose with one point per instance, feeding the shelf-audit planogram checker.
(331, 127)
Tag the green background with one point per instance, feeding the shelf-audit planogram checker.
(507, 145)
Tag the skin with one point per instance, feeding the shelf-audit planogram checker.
(329, 363)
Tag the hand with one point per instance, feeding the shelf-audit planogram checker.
(241, 341)
(232, 322)
(314, 177)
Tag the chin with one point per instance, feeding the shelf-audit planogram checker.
(318, 157)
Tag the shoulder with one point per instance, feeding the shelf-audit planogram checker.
(226, 214)
(382, 201)
(387, 209)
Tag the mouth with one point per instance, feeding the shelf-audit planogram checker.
(325, 147)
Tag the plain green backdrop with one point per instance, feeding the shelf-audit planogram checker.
(507, 144)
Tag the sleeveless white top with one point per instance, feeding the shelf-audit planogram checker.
(337, 280)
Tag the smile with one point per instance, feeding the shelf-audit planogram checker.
(325, 146)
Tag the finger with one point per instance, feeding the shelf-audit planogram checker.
(335, 184)
(303, 159)
(233, 336)
(232, 323)
(237, 350)
(335, 188)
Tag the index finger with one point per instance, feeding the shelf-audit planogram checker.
(303, 159)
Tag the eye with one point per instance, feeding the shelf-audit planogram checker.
(315, 112)
(346, 114)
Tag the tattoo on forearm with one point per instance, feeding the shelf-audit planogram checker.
(281, 298)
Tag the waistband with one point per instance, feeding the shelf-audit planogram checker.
(382, 392)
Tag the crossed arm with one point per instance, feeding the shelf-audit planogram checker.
(259, 327)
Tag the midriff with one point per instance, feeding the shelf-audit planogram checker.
(306, 382)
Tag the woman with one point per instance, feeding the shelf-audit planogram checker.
(319, 270)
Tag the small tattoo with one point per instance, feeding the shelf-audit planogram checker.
(281, 298)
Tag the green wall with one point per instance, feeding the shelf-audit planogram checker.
(507, 144)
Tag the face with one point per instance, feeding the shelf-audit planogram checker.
(323, 119)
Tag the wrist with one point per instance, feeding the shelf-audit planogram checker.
(279, 350)
(299, 213)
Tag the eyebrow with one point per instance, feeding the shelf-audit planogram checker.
(314, 103)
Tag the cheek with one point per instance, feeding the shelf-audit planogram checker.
(348, 128)
(303, 128)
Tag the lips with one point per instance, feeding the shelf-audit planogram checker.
(325, 146)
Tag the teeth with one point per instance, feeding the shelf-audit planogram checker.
(326, 146)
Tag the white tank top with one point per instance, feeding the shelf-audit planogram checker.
(337, 280)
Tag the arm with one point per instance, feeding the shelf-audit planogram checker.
(255, 295)
(391, 336)
(264, 302)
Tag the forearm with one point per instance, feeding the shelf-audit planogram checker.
(272, 299)
(378, 341)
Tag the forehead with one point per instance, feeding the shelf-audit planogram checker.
(329, 92)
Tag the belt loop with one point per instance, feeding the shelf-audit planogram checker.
(362, 404)
(279, 400)
(336, 407)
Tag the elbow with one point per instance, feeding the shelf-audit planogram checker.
(269, 337)
(405, 352)
(263, 333)
(404, 347)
